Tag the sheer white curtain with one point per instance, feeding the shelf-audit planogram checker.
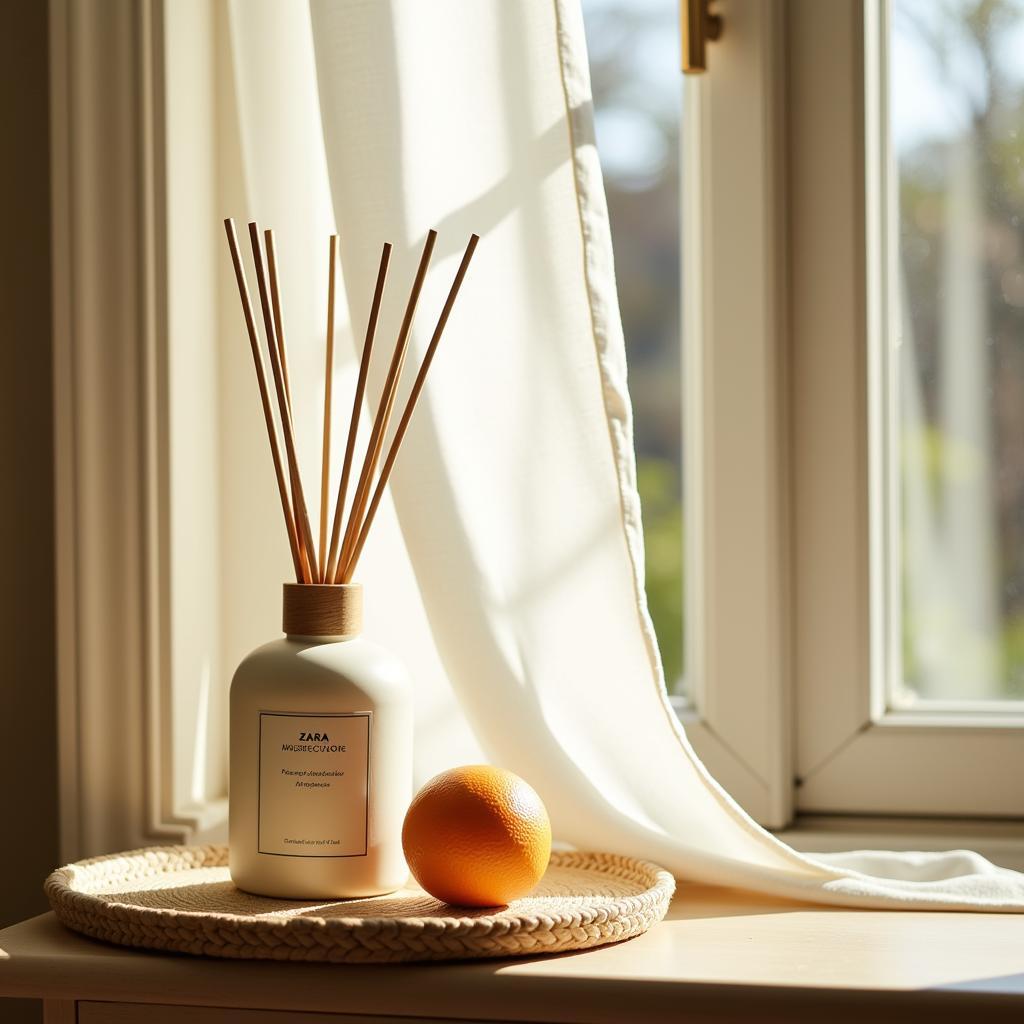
(509, 572)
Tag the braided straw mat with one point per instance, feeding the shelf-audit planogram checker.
(181, 898)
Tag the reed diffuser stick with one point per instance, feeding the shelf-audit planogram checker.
(282, 354)
(325, 466)
(387, 401)
(261, 379)
(275, 297)
(410, 405)
(329, 565)
(302, 518)
(357, 404)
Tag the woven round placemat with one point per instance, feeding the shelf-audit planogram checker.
(181, 898)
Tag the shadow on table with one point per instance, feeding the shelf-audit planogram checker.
(698, 902)
(225, 898)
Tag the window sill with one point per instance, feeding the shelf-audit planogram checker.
(719, 955)
(1002, 842)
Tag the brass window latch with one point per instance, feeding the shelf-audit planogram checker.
(697, 26)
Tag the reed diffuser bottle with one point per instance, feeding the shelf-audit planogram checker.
(322, 720)
(321, 755)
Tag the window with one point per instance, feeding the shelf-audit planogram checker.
(852, 553)
(840, 197)
(903, 492)
(677, 159)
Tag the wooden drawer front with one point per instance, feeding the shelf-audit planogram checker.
(165, 1013)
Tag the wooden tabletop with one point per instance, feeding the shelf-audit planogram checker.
(719, 954)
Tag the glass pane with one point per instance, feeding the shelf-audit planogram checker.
(956, 101)
(634, 66)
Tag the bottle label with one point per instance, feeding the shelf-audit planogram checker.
(314, 775)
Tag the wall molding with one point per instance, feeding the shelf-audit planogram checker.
(111, 427)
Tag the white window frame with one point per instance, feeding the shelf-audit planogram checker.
(854, 754)
(786, 543)
(734, 329)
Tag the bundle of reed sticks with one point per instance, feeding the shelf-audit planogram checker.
(334, 558)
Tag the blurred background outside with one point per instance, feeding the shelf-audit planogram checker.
(637, 85)
(956, 95)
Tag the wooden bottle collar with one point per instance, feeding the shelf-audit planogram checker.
(323, 610)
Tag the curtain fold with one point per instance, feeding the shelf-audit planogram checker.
(515, 552)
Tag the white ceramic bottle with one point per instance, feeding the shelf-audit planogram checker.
(321, 755)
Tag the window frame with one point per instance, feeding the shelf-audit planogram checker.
(120, 641)
(735, 426)
(793, 720)
(779, 536)
(854, 754)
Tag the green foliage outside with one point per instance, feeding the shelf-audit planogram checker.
(658, 482)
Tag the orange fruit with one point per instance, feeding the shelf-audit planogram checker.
(477, 836)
